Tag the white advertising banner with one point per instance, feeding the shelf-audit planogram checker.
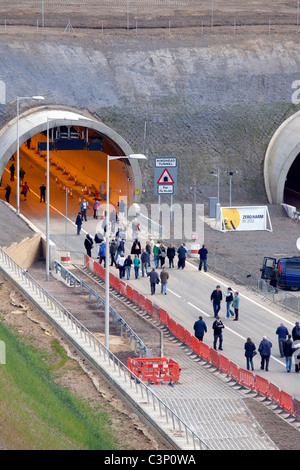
(245, 218)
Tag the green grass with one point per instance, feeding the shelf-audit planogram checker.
(38, 413)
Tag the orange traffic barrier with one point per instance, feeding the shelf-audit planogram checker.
(224, 364)
(246, 378)
(180, 332)
(214, 357)
(142, 301)
(204, 351)
(130, 292)
(188, 338)
(196, 345)
(262, 385)
(274, 393)
(234, 371)
(123, 288)
(136, 297)
(286, 402)
(173, 326)
(154, 369)
(164, 317)
(297, 408)
(155, 311)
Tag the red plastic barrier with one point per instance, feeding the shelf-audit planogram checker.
(297, 408)
(180, 333)
(112, 280)
(224, 364)
(286, 402)
(234, 371)
(274, 393)
(86, 261)
(262, 385)
(214, 357)
(148, 306)
(246, 378)
(155, 311)
(136, 297)
(97, 268)
(123, 288)
(129, 292)
(142, 301)
(196, 345)
(117, 284)
(188, 338)
(164, 317)
(204, 351)
(173, 327)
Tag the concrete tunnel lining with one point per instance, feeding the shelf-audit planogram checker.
(282, 151)
(34, 121)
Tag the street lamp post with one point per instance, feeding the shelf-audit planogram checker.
(230, 173)
(21, 98)
(109, 158)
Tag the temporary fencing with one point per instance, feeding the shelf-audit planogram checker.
(154, 369)
(203, 350)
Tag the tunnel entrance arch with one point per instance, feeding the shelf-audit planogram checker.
(34, 122)
(282, 162)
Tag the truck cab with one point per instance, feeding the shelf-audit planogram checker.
(289, 269)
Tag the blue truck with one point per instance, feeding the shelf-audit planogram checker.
(289, 269)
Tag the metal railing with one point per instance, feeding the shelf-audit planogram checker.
(73, 281)
(171, 418)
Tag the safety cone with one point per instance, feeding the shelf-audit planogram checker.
(85, 189)
(64, 172)
(69, 177)
(56, 180)
(75, 181)
(71, 193)
(64, 189)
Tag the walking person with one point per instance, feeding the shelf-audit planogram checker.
(136, 264)
(200, 328)
(102, 253)
(156, 254)
(296, 331)
(181, 252)
(148, 250)
(216, 299)
(84, 208)
(250, 351)
(12, 172)
(144, 262)
(127, 266)
(228, 300)
(96, 205)
(162, 255)
(136, 247)
(88, 244)
(120, 265)
(113, 220)
(171, 255)
(274, 277)
(78, 222)
(164, 276)
(112, 251)
(7, 192)
(296, 354)
(21, 174)
(288, 352)
(25, 190)
(42, 193)
(236, 305)
(265, 352)
(203, 258)
(218, 333)
(282, 333)
(154, 279)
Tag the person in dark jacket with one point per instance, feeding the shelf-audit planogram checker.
(181, 252)
(136, 248)
(203, 258)
(218, 332)
(113, 250)
(216, 299)
(78, 222)
(200, 328)
(288, 352)
(274, 277)
(88, 244)
(249, 350)
(102, 253)
(145, 262)
(162, 255)
(7, 192)
(296, 331)
(265, 352)
(171, 255)
(154, 279)
(282, 333)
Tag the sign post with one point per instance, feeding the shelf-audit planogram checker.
(165, 179)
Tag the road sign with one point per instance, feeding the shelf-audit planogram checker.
(165, 175)
(165, 178)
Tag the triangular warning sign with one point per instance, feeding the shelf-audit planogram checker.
(165, 178)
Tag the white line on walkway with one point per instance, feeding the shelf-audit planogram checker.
(174, 293)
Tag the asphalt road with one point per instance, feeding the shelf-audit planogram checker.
(188, 290)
